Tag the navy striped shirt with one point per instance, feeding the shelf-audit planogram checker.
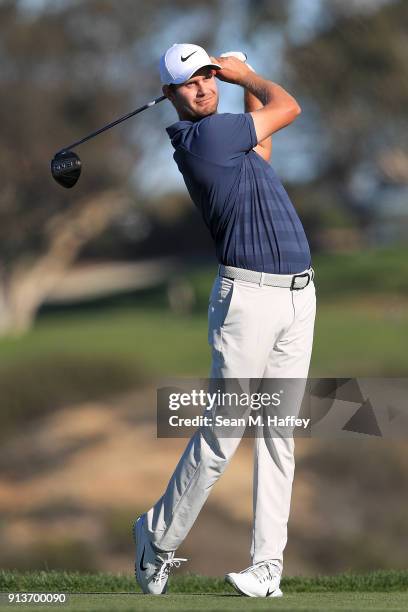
(250, 216)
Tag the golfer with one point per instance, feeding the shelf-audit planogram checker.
(262, 305)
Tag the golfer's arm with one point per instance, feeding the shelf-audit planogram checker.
(252, 103)
(279, 107)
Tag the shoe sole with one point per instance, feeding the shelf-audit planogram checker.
(231, 581)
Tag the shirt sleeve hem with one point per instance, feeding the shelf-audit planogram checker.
(252, 130)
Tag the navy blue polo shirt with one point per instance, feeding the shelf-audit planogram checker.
(250, 216)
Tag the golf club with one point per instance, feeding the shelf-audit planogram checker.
(66, 165)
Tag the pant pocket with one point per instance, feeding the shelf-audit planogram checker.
(219, 307)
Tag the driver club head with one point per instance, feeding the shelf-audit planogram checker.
(66, 168)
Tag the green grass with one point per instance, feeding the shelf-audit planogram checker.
(350, 339)
(73, 582)
(366, 272)
(381, 590)
(157, 339)
(306, 602)
(358, 340)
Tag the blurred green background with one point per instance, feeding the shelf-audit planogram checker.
(104, 289)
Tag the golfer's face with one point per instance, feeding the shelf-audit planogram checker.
(197, 97)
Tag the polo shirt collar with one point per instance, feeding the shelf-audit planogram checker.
(173, 129)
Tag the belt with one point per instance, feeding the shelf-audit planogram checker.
(290, 281)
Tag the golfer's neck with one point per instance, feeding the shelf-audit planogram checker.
(188, 117)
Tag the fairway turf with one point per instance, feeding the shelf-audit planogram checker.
(206, 602)
(380, 590)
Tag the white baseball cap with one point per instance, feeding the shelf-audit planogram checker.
(181, 61)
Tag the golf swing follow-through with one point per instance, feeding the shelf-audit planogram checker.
(262, 304)
(261, 309)
(66, 165)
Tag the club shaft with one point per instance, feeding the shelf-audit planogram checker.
(111, 125)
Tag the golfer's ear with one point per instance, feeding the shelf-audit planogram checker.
(167, 91)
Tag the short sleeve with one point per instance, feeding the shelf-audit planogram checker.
(223, 137)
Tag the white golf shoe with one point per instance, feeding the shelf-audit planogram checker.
(259, 580)
(152, 567)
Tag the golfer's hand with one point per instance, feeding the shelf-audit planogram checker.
(232, 71)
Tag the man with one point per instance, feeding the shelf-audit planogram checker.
(262, 305)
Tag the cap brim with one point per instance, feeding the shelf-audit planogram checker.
(184, 79)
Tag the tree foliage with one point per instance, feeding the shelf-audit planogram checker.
(66, 70)
(357, 74)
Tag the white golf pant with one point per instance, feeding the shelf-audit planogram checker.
(255, 332)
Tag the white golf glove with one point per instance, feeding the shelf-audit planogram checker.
(239, 55)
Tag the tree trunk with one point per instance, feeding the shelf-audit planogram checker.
(28, 284)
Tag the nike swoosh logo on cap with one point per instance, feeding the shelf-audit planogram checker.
(184, 59)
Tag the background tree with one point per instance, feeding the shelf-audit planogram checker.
(354, 76)
(66, 70)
